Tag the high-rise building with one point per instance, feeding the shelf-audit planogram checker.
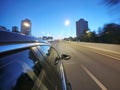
(15, 29)
(26, 27)
(81, 27)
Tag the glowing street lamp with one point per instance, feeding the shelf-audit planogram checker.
(87, 31)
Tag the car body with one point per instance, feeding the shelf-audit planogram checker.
(28, 63)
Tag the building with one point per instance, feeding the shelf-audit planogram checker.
(3, 28)
(26, 27)
(15, 29)
(81, 27)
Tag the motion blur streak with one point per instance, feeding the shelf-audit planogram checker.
(104, 69)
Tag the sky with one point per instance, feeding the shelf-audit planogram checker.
(48, 16)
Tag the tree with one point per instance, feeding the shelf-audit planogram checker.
(111, 2)
(111, 33)
(88, 36)
(114, 8)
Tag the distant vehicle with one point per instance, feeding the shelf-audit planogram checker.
(28, 63)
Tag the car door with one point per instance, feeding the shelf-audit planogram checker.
(53, 58)
(52, 80)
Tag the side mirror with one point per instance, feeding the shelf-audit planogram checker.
(65, 57)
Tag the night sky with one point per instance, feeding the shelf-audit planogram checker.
(48, 16)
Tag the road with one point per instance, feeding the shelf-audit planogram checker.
(90, 69)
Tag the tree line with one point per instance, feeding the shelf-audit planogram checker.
(110, 33)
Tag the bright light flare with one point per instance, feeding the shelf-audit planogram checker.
(87, 31)
(26, 24)
(67, 22)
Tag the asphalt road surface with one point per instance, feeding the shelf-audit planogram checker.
(90, 69)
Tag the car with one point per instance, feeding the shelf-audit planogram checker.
(29, 63)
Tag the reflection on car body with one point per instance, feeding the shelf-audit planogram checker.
(28, 63)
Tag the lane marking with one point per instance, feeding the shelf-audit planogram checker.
(103, 50)
(94, 78)
(115, 52)
(107, 55)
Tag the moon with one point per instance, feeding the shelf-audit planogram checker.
(67, 22)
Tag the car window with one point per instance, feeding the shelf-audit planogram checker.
(52, 81)
(22, 71)
(12, 75)
(51, 54)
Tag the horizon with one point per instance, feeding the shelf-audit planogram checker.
(49, 18)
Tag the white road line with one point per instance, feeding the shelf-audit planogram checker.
(94, 78)
(107, 55)
(101, 49)
(104, 50)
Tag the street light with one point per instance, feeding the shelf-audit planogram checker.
(87, 31)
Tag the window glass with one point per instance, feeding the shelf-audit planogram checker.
(46, 50)
(12, 75)
(18, 70)
(52, 56)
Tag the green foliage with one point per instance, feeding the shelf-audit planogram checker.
(88, 37)
(109, 34)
